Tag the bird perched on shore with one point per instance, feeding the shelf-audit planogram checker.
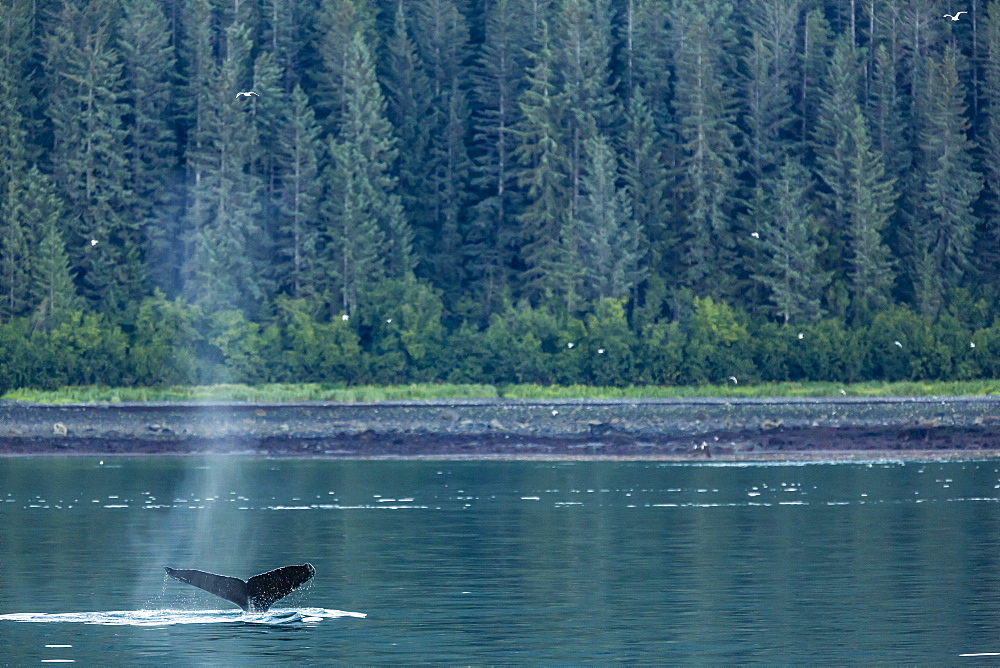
(955, 17)
(247, 93)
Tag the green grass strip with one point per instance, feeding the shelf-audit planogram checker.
(289, 392)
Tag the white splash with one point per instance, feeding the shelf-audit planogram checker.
(273, 616)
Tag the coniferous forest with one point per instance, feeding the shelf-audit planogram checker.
(609, 192)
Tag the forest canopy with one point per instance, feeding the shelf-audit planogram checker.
(606, 192)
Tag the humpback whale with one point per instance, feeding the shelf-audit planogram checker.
(254, 595)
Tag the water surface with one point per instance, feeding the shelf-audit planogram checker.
(501, 562)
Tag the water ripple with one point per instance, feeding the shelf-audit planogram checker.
(173, 617)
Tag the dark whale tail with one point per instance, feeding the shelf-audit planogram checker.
(254, 595)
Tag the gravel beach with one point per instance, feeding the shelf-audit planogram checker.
(658, 429)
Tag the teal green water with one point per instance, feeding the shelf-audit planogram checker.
(501, 562)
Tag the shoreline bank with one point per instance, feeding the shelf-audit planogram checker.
(653, 429)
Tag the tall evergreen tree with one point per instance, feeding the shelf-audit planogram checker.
(337, 21)
(704, 114)
(646, 183)
(869, 209)
(543, 174)
(409, 100)
(15, 260)
(611, 244)
(789, 236)
(833, 146)
(491, 236)
(768, 63)
(286, 33)
(943, 223)
(16, 236)
(991, 146)
(368, 236)
(442, 39)
(149, 68)
(298, 163)
(225, 270)
(815, 59)
(584, 57)
(889, 127)
(89, 152)
(52, 295)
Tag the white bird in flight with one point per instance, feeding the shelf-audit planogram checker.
(600, 351)
(93, 242)
(755, 235)
(898, 343)
(971, 344)
(246, 93)
(570, 344)
(801, 336)
(955, 17)
(345, 317)
(733, 378)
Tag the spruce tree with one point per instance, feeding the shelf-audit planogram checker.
(943, 223)
(611, 243)
(298, 168)
(646, 183)
(225, 269)
(704, 116)
(833, 148)
(442, 39)
(491, 235)
(89, 152)
(869, 210)
(16, 233)
(767, 70)
(53, 295)
(408, 97)
(583, 40)
(15, 260)
(815, 59)
(149, 71)
(889, 127)
(543, 176)
(838, 108)
(990, 255)
(791, 245)
(337, 21)
(367, 234)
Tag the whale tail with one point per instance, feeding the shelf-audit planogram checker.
(254, 595)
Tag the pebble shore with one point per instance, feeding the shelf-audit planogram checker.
(657, 429)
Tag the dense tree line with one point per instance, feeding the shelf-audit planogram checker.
(677, 188)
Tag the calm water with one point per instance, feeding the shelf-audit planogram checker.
(501, 562)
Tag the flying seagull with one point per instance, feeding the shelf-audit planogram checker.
(733, 378)
(955, 17)
(898, 344)
(246, 93)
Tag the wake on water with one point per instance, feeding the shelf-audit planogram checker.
(273, 617)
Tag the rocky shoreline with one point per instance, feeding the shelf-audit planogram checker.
(663, 429)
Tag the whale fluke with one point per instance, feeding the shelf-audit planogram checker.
(254, 595)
